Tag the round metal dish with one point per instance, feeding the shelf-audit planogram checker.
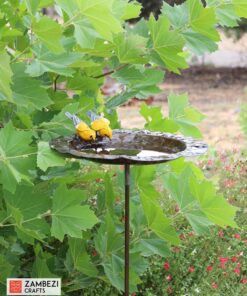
(131, 147)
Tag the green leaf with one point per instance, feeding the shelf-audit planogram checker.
(99, 14)
(152, 246)
(68, 216)
(120, 99)
(183, 115)
(226, 15)
(47, 157)
(81, 259)
(28, 92)
(108, 239)
(178, 15)
(130, 48)
(156, 121)
(203, 20)
(45, 61)
(198, 43)
(167, 44)
(131, 10)
(50, 33)
(6, 74)
(6, 268)
(109, 194)
(156, 219)
(40, 268)
(16, 156)
(214, 206)
(32, 5)
(27, 206)
(240, 7)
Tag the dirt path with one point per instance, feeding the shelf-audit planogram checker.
(217, 93)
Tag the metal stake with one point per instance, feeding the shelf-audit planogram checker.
(127, 193)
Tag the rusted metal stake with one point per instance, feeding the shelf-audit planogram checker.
(127, 212)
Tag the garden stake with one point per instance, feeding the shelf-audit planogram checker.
(126, 219)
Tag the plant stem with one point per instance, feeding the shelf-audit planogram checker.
(111, 72)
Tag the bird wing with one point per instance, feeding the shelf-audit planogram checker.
(76, 120)
(93, 116)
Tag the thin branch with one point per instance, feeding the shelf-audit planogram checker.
(55, 83)
(111, 72)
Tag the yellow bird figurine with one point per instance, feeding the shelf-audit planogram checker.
(100, 124)
(82, 129)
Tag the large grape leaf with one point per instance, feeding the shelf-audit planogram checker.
(130, 48)
(6, 74)
(27, 206)
(108, 239)
(50, 33)
(17, 157)
(198, 43)
(46, 61)
(156, 219)
(213, 205)
(80, 258)
(203, 20)
(183, 115)
(28, 92)
(98, 15)
(68, 216)
(167, 44)
(47, 157)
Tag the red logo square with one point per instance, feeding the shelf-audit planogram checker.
(15, 286)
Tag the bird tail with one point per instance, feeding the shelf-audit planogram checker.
(92, 116)
(76, 120)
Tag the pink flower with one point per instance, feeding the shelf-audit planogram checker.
(209, 268)
(234, 259)
(169, 290)
(237, 271)
(229, 183)
(191, 233)
(221, 233)
(169, 278)
(237, 236)
(210, 162)
(166, 266)
(177, 209)
(182, 236)
(133, 294)
(214, 285)
(244, 280)
(223, 262)
(191, 269)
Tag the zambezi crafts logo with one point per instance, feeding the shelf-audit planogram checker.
(34, 286)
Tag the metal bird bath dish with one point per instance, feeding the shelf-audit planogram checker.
(130, 147)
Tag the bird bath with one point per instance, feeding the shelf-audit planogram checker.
(130, 147)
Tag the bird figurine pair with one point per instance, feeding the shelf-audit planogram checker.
(100, 126)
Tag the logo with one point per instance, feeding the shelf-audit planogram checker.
(34, 286)
(15, 286)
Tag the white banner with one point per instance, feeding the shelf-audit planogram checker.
(34, 286)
